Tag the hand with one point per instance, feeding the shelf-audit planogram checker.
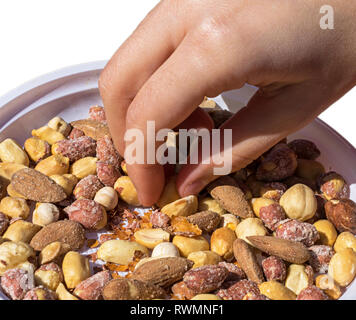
(187, 49)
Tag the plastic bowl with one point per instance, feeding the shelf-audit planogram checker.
(69, 92)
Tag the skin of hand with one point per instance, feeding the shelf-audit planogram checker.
(187, 49)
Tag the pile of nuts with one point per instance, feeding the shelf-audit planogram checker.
(280, 229)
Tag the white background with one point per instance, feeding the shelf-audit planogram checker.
(39, 36)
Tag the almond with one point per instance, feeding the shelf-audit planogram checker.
(131, 289)
(230, 197)
(36, 186)
(207, 221)
(91, 128)
(247, 260)
(162, 272)
(294, 252)
(66, 231)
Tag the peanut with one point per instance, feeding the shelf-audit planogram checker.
(15, 207)
(84, 167)
(21, 230)
(7, 169)
(298, 278)
(342, 266)
(49, 276)
(203, 258)
(250, 227)
(107, 197)
(274, 290)
(183, 207)
(151, 237)
(221, 242)
(230, 221)
(258, 203)
(75, 269)
(120, 251)
(45, 213)
(10, 151)
(53, 252)
(53, 165)
(59, 125)
(13, 253)
(63, 293)
(66, 181)
(327, 232)
(210, 204)
(36, 148)
(13, 193)
(345, 240)
(187, 245)
(127, 191)
(329, 286)
(48, 134)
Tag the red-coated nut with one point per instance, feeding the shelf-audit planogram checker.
(76, 149)
(320, 256)
(76, 133)
(182, 291)
(235, 272)
(159, 219)
(106, 152)
(16, 282)
(342, 214)
(91, 288)
(279, 163)
(97, 113)
(206, 278)
(239, 290)
(312, 293)
(4, 223)
(107, 173)
(40, 293)
(87, 212)
(304, 149)
(274, 268)
(295, 230)
(87, 187)
(333, 186)
(271, 215)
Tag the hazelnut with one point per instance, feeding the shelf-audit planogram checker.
(299, 202)
(165, 249)
(342, 214)
(45, 213)
(107, 197)
(250, 227)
